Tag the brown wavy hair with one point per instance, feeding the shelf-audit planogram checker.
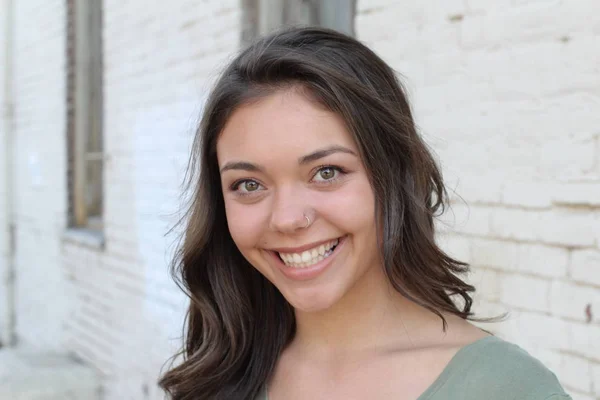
(238, 323)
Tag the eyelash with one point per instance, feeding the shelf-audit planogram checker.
(236, 185)
(339, 170)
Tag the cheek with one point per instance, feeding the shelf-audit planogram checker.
(352, 208)
(244, 223)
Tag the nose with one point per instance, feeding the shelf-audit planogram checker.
(288, 212)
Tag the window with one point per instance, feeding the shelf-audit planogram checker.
(263, 16)
(84, 113)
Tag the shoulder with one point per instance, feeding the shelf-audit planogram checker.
(496, 369)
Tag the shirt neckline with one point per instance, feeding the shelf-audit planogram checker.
(464, 353)
(449, 370)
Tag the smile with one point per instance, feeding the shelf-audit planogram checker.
(309, 257)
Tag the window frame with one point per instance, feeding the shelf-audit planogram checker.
(263, 16)
(85, 114)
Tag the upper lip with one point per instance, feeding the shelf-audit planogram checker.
(301, 248)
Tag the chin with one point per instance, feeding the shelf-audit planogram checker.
(311, 301)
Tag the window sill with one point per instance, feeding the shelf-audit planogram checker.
(89, 238)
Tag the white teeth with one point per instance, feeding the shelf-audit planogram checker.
(306, 257)
(321, 249)
(309, 257)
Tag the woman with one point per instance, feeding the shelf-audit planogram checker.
(309, 254)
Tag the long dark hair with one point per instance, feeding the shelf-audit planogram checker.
(238, 323)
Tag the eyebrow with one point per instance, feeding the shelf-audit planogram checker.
(315, 155)
(241, 165)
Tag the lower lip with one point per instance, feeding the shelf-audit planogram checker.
(306, 273)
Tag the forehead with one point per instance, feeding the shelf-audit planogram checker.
(286, 123)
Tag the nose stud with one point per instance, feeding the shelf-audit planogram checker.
(307, 221)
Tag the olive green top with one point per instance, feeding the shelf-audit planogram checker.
(492, 369)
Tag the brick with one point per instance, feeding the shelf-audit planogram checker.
(534, 69)
(574, 300)
(442, 73)
(540, 120)
(525, 292)
(426, 38)
(585, 266)
(368, 5)
(465, 219)
(506, 128)
(532, 2)
(487, 6)
(152, 64)
(402, 12)
(486, 282)
(38, 167)
(578, 194)
(584, 340)
(575, 372)
(530, 194)
(566, 228)
(534, 330)
(528, 22)
(542, 260)
(456, 246)
(28, 376)
(494, 253)
(596, 378)
(472, 32)
(515, 224)
(596, 222)
(568, 158)
(478, 188)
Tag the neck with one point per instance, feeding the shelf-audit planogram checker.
(371, 316)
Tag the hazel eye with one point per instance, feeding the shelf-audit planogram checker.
(250, 186)
(326, 174)
(246, 187)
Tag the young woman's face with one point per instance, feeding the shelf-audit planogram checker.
(299, 204)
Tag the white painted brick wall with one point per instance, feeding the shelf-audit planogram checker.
(535, 330)
(494, 254)
(508, 92)
(4, 110)
(578, 194)
(596, 379)
(531, 293)
(576, 372)
(571, 300)
(536, 259)
(159, 61)
(116, 308)
(487, 281)
(585, 266)
(39, 164)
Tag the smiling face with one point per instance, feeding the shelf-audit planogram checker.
(299, 204)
